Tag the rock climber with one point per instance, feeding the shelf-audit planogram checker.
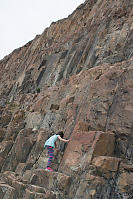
(50, 144)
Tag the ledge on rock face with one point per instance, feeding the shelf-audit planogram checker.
(83, 147)
(31, 194)
(106, 164)
(15, 181)
(37, 192)
(36, 188)
(51, 180)
(26, 190)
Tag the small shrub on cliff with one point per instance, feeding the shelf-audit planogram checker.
(38, 90)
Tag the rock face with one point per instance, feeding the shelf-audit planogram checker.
(76, 77)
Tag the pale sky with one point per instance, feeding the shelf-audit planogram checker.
(22, 20)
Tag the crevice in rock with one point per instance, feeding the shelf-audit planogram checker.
(42, 64)
(40, 76)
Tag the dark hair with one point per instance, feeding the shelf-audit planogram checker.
(60, 133)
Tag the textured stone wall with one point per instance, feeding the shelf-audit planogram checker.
(76, 77)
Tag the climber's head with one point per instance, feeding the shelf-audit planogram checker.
(60, 133)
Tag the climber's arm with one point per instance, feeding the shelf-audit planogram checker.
(63, 140)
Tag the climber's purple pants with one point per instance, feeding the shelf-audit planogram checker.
(51, 155)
